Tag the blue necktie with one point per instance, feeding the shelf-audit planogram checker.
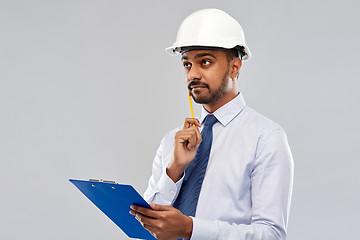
(188, 197)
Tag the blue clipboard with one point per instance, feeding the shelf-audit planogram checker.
(114, 201)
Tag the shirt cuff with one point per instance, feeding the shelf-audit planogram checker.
(204, 229)
(168, 189)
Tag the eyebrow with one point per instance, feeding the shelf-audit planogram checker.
(199, 55)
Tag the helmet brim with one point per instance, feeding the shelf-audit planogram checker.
(176, 50)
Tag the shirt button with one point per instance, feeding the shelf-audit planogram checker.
(172, 191)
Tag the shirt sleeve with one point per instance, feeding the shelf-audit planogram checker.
(161, 189)
(271, 189)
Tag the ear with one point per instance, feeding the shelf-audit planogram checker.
(235, 65)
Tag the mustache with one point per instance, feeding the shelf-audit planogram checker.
(196, 83)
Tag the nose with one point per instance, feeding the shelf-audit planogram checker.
(194, 73)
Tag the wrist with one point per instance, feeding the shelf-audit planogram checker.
(188, 227)
(175, 171)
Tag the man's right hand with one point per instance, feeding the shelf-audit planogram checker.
(186, 143)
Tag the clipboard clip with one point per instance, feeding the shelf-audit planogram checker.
(101, 180)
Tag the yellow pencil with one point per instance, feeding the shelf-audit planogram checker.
(191, 108)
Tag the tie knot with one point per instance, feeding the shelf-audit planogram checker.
(210, 120)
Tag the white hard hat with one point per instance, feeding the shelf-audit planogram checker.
(210, 28)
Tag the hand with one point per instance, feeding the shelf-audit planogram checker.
(187, 141)
(163, 222)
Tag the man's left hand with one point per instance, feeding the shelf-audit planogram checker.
(163, 222)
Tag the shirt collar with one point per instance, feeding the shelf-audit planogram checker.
(227, 112)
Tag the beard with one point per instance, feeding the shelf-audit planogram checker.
(214, 95)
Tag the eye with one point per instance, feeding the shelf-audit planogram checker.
(186, 64)
(205, 62)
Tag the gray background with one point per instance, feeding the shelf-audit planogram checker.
(87, 91)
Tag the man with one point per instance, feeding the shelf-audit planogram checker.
(229, 174)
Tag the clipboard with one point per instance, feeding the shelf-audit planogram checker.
(114, 201)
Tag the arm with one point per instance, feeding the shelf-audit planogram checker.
(176, 151)
(164, 221)
(271, 188)
(161, 189)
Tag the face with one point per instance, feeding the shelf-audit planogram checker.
(207, 75)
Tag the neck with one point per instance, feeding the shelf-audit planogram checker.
(212, 107)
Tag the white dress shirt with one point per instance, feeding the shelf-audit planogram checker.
(246, 191)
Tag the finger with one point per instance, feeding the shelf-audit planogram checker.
(198, 137)
(188, 138)
(147, 222)
(192, 142)
(184, 134)
(144, 219)
(190, 121)
(152, 230)
(195, 137)
(144, 211)
(159, 207)
(132, 212)
(191, 137)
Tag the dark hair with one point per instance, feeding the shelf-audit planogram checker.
(238, 51)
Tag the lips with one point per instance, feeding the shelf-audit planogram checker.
(196, 87)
